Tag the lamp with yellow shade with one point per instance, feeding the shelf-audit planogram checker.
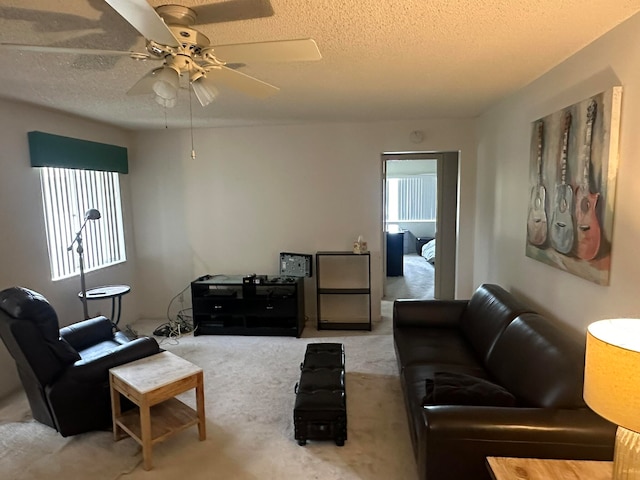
(612, 387)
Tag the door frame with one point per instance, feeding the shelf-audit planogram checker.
(445, 279)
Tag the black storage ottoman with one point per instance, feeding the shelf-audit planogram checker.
(320, 411)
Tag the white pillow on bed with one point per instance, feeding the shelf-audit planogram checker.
(429, 251)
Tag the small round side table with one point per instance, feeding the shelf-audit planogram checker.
(114, 292)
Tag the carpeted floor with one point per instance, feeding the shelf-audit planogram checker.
(249, 400)
(416, 281)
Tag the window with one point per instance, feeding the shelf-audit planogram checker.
(67, 194)
(412, 198)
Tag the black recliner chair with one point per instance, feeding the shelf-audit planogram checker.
(65, 372)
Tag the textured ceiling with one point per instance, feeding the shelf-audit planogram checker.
(382, 59)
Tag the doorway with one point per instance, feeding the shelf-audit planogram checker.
(419, 224)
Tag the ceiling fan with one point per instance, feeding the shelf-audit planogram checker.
(186, 52)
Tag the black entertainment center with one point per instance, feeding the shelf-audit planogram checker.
(248, 305)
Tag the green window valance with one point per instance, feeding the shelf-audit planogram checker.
(49, 150)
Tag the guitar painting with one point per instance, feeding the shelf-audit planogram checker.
(562, 235)
(537, 219)
(587, 226)
(572, 151)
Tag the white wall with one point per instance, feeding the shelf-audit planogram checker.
(23, 242)
(253, 192)
(503, 185)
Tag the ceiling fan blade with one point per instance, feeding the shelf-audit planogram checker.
(276, 51)
(72, 51)
(144, 85)
(232, 10)
(145, 20)
(241, 82)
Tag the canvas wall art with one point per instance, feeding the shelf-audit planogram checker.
(572, 175)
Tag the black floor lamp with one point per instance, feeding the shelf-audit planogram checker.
(91, 214)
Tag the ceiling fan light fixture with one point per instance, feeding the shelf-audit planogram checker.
(205, 93)
(166, 103)
(166, 83)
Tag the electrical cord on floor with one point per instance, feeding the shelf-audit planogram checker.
(179, 324)
(176, 327)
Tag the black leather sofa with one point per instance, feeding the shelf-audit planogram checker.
(490, 377)
(65, 373)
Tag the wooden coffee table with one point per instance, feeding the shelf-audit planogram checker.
(152, 383)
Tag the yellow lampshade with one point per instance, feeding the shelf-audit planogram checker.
(612, 387)
(612, 371)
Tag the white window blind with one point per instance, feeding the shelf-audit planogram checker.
(67, 194)
(412, 198)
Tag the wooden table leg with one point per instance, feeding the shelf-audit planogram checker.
(115, 408)
(202, 429)
(145, 434)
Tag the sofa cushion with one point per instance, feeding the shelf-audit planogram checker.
(490, 309)
(540, 362)
(433, 345)
(460, 389)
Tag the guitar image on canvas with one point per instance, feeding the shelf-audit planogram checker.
(537, 219)
(588, 228)
(562, 235)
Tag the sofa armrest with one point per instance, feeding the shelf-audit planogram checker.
(80, 399)
(83, 334)
(517, 424)
(428, 313)
(98, 368)
(455, 440)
